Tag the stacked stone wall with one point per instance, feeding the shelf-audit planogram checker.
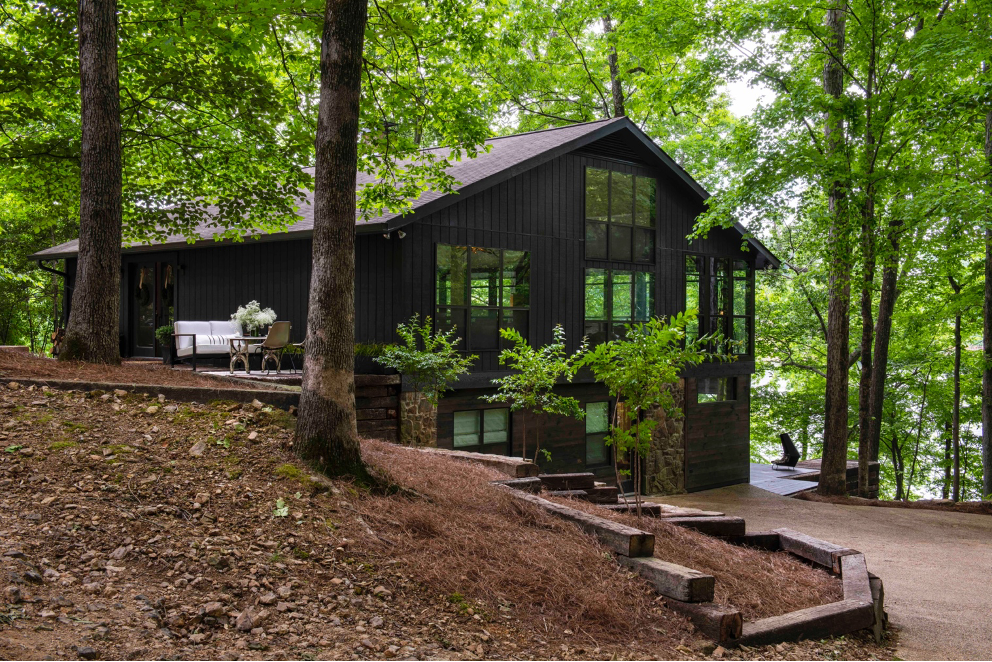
(664, 468)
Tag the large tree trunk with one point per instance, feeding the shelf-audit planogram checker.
(833, 469)
(987, 333)
(92, 331)
(327, 432)
(615, 88)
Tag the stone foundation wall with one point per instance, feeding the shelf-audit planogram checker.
(418, 420)
(664, 468)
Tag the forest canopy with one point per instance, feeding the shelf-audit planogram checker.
(875, 193)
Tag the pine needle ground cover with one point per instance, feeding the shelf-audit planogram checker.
(133, 528)
(15, 365)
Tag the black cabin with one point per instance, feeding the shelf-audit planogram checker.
(583, 226)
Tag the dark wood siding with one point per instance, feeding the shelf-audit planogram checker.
(213, 281)
(717, 439)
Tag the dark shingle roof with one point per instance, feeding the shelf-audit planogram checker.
(506, 154)
(507, 157)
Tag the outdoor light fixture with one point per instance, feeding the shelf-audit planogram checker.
(401, 234)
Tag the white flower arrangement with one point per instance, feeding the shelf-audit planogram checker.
(252, 317)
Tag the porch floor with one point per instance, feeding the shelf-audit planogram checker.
(785, 482)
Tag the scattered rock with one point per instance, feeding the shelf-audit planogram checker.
(376, 622)
(87, 653)
(199, 638)
(12, 594)
(268, 599)
(253, 435)
(284, 592)
(13, 386)
(119, 392)
(198, 449)
(212, 609)
(256, 404)
(152, 409)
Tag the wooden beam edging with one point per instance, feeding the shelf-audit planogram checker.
(620, 538)
(514, 467)
(720, 623)
(813, 549)
(672, 580)
(203, 394)
(830, 620)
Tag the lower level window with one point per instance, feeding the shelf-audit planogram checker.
(717, 389)
(597, 426)
(481, 426)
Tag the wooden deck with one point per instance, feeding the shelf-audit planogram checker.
(782, 481)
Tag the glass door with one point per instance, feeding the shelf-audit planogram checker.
(143, 295)
(153, 287)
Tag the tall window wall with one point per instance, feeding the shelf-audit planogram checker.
(480, 291)
(722, 290)
(620, 216)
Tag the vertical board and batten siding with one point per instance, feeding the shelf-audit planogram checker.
(212, 281)
(718, 436)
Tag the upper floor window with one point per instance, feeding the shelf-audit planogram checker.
(616, 298)
(722, 290)
(620, 216)
(480, 291)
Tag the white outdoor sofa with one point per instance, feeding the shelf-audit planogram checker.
(195, 339)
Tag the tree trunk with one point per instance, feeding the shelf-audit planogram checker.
(615, 87)
(945, 490)
(833, 468)
(92, 331)
(868, 221)
(867, 339)
(987, 332)
(327, 432)
(956, 406)
(897, 464)
(880, 360)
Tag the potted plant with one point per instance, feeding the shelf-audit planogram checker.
(164, 336)
(253, 317)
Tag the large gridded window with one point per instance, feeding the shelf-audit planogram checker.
(722, 291)
(480, 291)
(481, 427)
(597, 426)
(620, 216)
(615, 298)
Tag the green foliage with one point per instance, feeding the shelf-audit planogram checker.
(640, 369)
(281, 509)
(530, 387)
(428, 359)
(164, 335)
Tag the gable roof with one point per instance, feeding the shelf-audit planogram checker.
(507, 157)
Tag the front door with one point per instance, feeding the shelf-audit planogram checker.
(152, 305)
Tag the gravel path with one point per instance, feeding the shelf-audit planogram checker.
(937, 567)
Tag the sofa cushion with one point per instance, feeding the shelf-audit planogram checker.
(228, 329)
(186, 342)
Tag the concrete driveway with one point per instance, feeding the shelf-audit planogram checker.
(936, 567)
